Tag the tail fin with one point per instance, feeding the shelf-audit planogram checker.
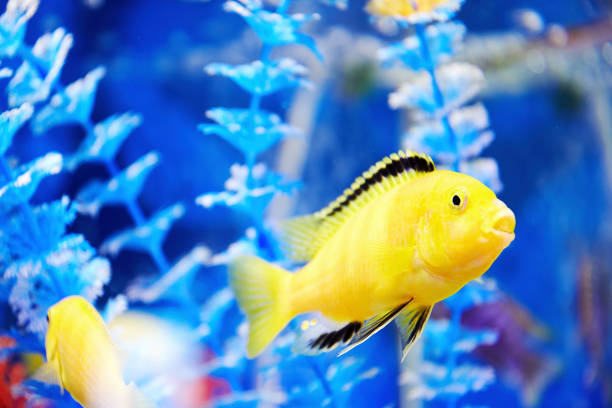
(261, 290)
(138, 399)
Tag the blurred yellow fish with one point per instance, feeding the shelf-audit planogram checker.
(82, 358)
(402, 8)
(402, 238)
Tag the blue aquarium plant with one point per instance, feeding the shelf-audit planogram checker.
(73, 104)
(454, 132)
(41, 262)
(83, 178)
(252, 131)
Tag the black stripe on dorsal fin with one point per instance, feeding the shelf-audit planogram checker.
(381, 174)
(302, 237)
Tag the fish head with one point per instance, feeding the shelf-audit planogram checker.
(59, 316)
(464, 227)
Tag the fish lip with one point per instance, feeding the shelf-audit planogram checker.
(502, 224)
(505, 237)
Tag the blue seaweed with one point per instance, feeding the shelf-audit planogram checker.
(41, 262)
(250, 188)
(263, 78)
(250, 132)
(454, 135)
(103, 143)
(123, 188)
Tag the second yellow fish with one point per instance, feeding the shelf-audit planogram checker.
(403, 237)
(82, 358)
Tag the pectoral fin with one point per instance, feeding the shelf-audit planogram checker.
(410, 322)
(372, 326)
(49, 373)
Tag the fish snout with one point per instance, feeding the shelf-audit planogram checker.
(501, 222)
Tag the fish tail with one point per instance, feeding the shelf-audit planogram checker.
(138, 399)
(261, 291)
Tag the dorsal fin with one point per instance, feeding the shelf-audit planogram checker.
(302, 237)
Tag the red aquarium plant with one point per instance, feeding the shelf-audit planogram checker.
(13, 373)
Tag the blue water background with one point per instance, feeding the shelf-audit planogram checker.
(549, 155)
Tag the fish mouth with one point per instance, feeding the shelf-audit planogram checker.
(502, 223)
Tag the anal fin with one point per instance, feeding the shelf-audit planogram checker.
(331, 340)
(317, 334)
(410, 322)
(372, 326)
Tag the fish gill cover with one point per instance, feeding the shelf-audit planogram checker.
(191, 347)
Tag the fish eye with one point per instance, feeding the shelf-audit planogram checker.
(458, 200)
(47, 318)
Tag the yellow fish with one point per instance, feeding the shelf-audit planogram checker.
(402, 238)
(402, 8)
(82, 358)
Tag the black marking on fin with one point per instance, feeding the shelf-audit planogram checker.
(373, 325)
(393, 167)
(302, 237)
(410, 323)
(332, 339)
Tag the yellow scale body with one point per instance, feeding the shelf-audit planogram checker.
(372, 263)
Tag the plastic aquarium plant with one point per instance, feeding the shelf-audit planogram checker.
(454, 134)
(41, 262)
(35, 79)
(253, 130)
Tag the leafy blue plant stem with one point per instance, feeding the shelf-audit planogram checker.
(25, 53)
(28, 215)
(435, 86)
(252, 131)
(25, 209)
(133, 208)
(254, 107)
(159, 258)
(251, 158)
